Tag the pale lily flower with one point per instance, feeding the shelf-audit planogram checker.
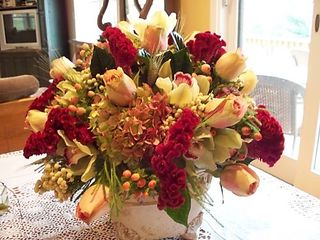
(152, 32)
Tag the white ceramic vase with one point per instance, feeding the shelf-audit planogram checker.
(144, 221)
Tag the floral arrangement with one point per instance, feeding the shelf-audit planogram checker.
(145, 113)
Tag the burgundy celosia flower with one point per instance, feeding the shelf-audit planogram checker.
(269, 149)
(121, 48)
(207, 47)
(41, 102)
(47, 140)
(173, 179)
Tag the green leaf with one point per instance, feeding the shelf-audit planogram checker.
(101, 60)
(181, 214)
(248, 160)
(180, 162)
(178, 40)
(181, 62)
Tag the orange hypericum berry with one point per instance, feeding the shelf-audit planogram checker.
(126, 186)
(257, 136)
(205, 68)
(72, 108)
(145, 194)
(81, 111)
(74, 100)
(126, 173)
(152, 184)
(141, 183)
(90, 93)
(245, 131)
(135, 177)
(77, 86)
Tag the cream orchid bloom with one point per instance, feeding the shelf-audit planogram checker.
(80, 158)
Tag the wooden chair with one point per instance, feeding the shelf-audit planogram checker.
(12, 132)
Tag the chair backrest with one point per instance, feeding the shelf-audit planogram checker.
(280, 96)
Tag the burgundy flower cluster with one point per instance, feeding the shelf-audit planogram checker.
(271, 146)
(41, 102)
(207, 47)
(121, 48)
(172, 178)
(47, 140)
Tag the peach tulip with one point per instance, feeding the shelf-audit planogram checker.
(239, 179)
(93, 203)
(121, 89)
(225, 112)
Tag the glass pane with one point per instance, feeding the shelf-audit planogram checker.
(275, 37)
(133, 12)
(86, 13)
(20, 28)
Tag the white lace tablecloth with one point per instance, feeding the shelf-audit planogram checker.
(277, 211)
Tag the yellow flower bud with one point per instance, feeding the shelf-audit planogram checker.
(249, 80)
(239, 179)
(230, 65)
(36, 120)
(120, 87)
(93, 203)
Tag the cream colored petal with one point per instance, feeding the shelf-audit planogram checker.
(195, 88)
(220, 154)
(66, 140)
(228, 138)
(165, 84)
(172, 22)
(181, 96)
(140, 28)
(90, 171)
(124, 26)
(83, 148)
(159, 18)
(128, 30)
(249, 79)
(204, 84)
